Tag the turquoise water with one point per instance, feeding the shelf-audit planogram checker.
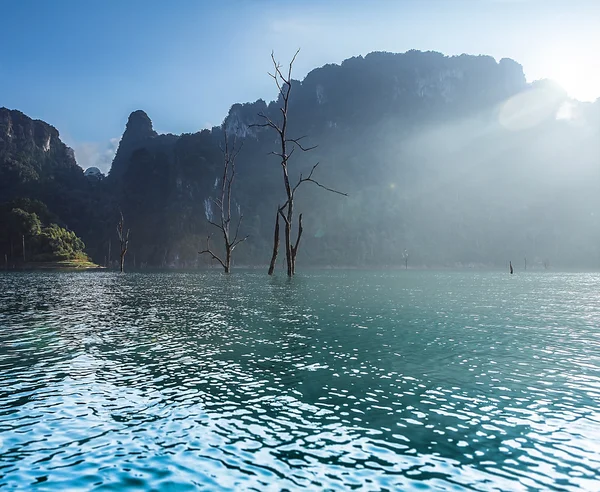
(336, 380)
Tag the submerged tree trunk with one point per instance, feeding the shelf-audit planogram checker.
(295, 247)
(228, 260)
(288, 244)
(123, 240)
(284, 84)
(224, 205)
(275, 244)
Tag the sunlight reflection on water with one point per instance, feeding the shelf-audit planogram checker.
(337, 380)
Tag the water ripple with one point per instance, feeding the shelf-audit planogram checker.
(336, 381)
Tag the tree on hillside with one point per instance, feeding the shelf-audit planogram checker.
(123, 240)
(21, 225)
(223, 203)
(54, 243)
(287, 146)
(27, 233)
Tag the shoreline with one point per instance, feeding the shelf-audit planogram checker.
(55, 266)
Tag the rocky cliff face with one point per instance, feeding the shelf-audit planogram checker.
(456, 159)
(412, 86)
(138, 133)
(139, 127)
(409, 83)
(31, 149)
(18, 130)
(36, 164)
(425, 144)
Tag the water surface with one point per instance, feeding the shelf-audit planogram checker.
(336, 380)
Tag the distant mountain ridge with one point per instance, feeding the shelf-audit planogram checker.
(457, 159)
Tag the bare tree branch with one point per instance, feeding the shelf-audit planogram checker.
(325, 187)
(291, 64)
(236, 152)
(237, 229)
(230, 153)
(285, 219)
(208, 250)
(239, 241)
(296, 141)
(309, 179)
(276, 79)
(269, 123)
(264, 125)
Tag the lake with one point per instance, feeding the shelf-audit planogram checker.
(340, 380)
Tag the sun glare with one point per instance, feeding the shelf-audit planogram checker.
(577, 76)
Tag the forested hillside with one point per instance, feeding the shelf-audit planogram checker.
(456, 160)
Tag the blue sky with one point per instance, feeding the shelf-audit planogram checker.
(83, 66)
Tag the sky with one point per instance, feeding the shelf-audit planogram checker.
(83, 66)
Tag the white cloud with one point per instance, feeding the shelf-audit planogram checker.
(96, 154)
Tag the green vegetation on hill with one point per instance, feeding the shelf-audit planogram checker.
(25, 239)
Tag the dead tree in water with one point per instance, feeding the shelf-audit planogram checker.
(275, 243)
(287, 146)
(123, 239)
(224, 205)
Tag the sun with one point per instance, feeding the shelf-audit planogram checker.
(577, 75)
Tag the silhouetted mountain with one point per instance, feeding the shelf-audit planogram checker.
(456, 159)
(35, 163)
(138, 133)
